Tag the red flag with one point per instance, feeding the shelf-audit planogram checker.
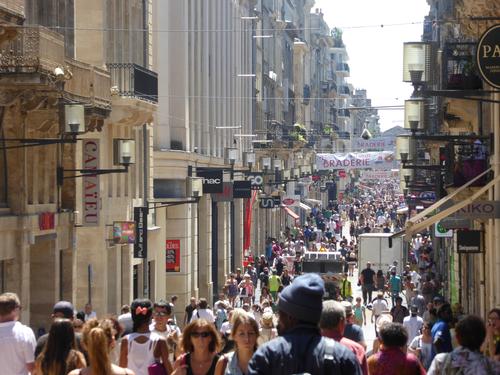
(248, 220)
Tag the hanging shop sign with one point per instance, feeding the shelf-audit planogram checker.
(226, 195)
(374, 144)
(488, 56)
(441, 231)
(173, 256)
(124, 232)
(291, 200)
(242, 189)
(212, 180)
(469, 241)
(270, 202)
(91, 191)
(256, 179)
(141, 232)
(356, 160)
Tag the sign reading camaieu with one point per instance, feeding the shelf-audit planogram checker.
(488, 56)
(91, 187)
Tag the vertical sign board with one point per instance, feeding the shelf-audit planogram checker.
(488, 56)
(469, 241)
(91, 193)
(173, 256)
(141, 230)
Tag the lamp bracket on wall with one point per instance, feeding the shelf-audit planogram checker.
(34, 142)
(86, 172)
(476, 95)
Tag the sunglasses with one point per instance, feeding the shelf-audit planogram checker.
(200, 334)
(161, 313)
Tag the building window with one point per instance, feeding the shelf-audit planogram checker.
(2, 276)
(3, 168)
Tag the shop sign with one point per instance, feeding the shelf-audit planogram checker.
(480, 210)
(226, 195)
(442, 232)
(270, 202)
(46, 220)
(468, 241)
(256, 179)
(173, 256)
(91, 189)
(212, 180)
(488, 56)
(356, 160)
(124, 232)
(141, 232)
(242, 189)
(291, 200)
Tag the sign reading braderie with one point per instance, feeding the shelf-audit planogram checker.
(488, 56)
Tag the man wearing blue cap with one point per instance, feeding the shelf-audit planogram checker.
(300, 348)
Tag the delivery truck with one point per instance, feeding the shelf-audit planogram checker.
(381, 249)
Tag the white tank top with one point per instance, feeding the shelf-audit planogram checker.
(141, 356)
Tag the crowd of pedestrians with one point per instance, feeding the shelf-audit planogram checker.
(272, 318)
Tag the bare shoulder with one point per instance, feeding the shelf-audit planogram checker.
(121, 371)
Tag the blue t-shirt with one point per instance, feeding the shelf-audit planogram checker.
(395, 284)
(440, 330)
(269, 251)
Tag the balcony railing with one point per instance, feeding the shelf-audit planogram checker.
(33, 49)
(134, 81)
(343, 68)
(344, 90)
(343, 113)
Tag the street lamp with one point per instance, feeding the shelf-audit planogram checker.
(405, 147)
(249, 159)
(417, 62)
(266, 163)
(415, 114)
(74, 124)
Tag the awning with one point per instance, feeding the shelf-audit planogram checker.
(305, 206)
(291, 213)
(313, 201)
(413, 226)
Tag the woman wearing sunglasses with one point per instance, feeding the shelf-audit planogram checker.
(200, 343)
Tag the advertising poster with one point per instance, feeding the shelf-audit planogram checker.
(173, 256)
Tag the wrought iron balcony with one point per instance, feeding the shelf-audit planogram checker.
(343, 112)
(343, 68)
(344, 90)
(133, 81)
(32, 50)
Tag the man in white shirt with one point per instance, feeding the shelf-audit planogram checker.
(203, 312)
(89, 313)
(413, 323)
(17, 341)
(379, 306)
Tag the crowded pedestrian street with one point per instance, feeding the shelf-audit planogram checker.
(251, 187)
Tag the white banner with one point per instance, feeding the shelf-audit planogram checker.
(374, 144)
(379, 175)
(356, 160)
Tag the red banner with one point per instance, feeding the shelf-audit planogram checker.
(173, 256)
(248, 220)
(46, 220)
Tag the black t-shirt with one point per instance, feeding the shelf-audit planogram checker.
(189, 311)
(368, 274)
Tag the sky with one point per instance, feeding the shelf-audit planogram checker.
(375, 52)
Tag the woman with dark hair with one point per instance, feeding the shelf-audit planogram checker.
(142, 348)
(392, 358)
(200, 343)
(245, 333)
(59, 355)
(203, 312)
(466, 359)
(492, 343)
(100, 339)
(380, 281)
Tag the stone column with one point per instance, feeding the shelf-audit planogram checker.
(178, 227)
(239, 212)
(205, 284)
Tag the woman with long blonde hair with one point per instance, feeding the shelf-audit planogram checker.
(99, 341)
